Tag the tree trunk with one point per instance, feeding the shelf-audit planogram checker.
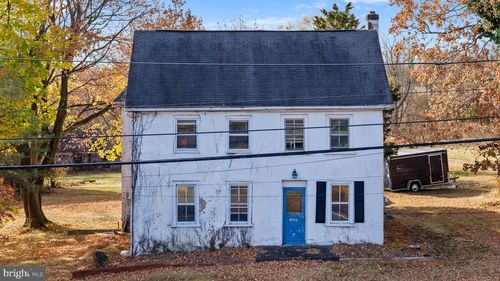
(31, 192)
(32, 201)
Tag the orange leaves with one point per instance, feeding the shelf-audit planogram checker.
(7, 202)
(446, 30)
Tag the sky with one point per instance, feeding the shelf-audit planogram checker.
(272, 13)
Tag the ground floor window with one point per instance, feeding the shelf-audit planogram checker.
(239, 204)
(186, 203)
(340, 203)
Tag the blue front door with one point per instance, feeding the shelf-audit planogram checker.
(294, 215)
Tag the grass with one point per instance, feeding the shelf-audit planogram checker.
(78, 206)
(458, 227)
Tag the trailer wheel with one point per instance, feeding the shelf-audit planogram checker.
(415, 186)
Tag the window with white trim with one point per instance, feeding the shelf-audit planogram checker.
(186, 203)
(239, 204)
(294, 134)
(238, 134)
(186, 134)
(340, 203)
(339, 133)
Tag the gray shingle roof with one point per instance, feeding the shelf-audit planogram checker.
(157, 85)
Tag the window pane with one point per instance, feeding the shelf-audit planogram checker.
(186, 126)
(339, 126)
(186, 141)
(185, 194)
(239, 210)
(344, 193)
(243, 217)
(340, 212)
(185, 213)
(190, 194)
(343, 126)
(334, 141)
(335, 193)
(181, 193)
(238, 142)
(344, 212)
(243, 194)
(238, 127)
(293, 202)
(234, 195)
(339, 141)
(239, 217)
(343, 141)
(335, 212)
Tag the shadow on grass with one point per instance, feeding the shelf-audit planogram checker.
(463, 189)
(92, 231)
(63, 196)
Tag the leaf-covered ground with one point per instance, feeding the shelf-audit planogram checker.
(459, 229)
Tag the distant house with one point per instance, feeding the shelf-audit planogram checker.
(284, 80)
(76, 150)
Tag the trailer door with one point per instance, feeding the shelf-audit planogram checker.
(436, 166)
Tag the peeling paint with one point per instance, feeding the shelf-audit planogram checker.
(203, 204)
(152, 187)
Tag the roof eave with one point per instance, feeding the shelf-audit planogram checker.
(259, 108)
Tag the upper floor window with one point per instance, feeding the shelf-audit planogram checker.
(238, 134)
(186, 134)
(186, 203)
(294, 134)
(239, 207)
(339, 133)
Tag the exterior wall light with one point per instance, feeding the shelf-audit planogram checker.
(294, 174)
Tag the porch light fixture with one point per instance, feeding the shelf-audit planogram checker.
(294, 174)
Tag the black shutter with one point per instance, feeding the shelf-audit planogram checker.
(320, 201)
(359, 201)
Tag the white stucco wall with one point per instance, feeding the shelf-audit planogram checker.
(153, 225)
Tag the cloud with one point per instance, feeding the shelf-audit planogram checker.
(317, 5)
(274, 22)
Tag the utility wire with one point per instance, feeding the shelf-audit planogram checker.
(437, 63)
(104, 106)
(253, 130)
(245, 156)
(264, 166)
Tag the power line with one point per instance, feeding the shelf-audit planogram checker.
(264, 166)
(105, 106)
(437, 63)
(245, 156)
(254, 130)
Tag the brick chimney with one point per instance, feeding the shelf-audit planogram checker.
(372, 21)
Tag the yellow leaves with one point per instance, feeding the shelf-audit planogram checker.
(109, 148)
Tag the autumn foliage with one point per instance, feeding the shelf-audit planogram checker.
(7, 209)
(450, 31)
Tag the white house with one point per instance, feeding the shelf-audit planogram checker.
(198, 94)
